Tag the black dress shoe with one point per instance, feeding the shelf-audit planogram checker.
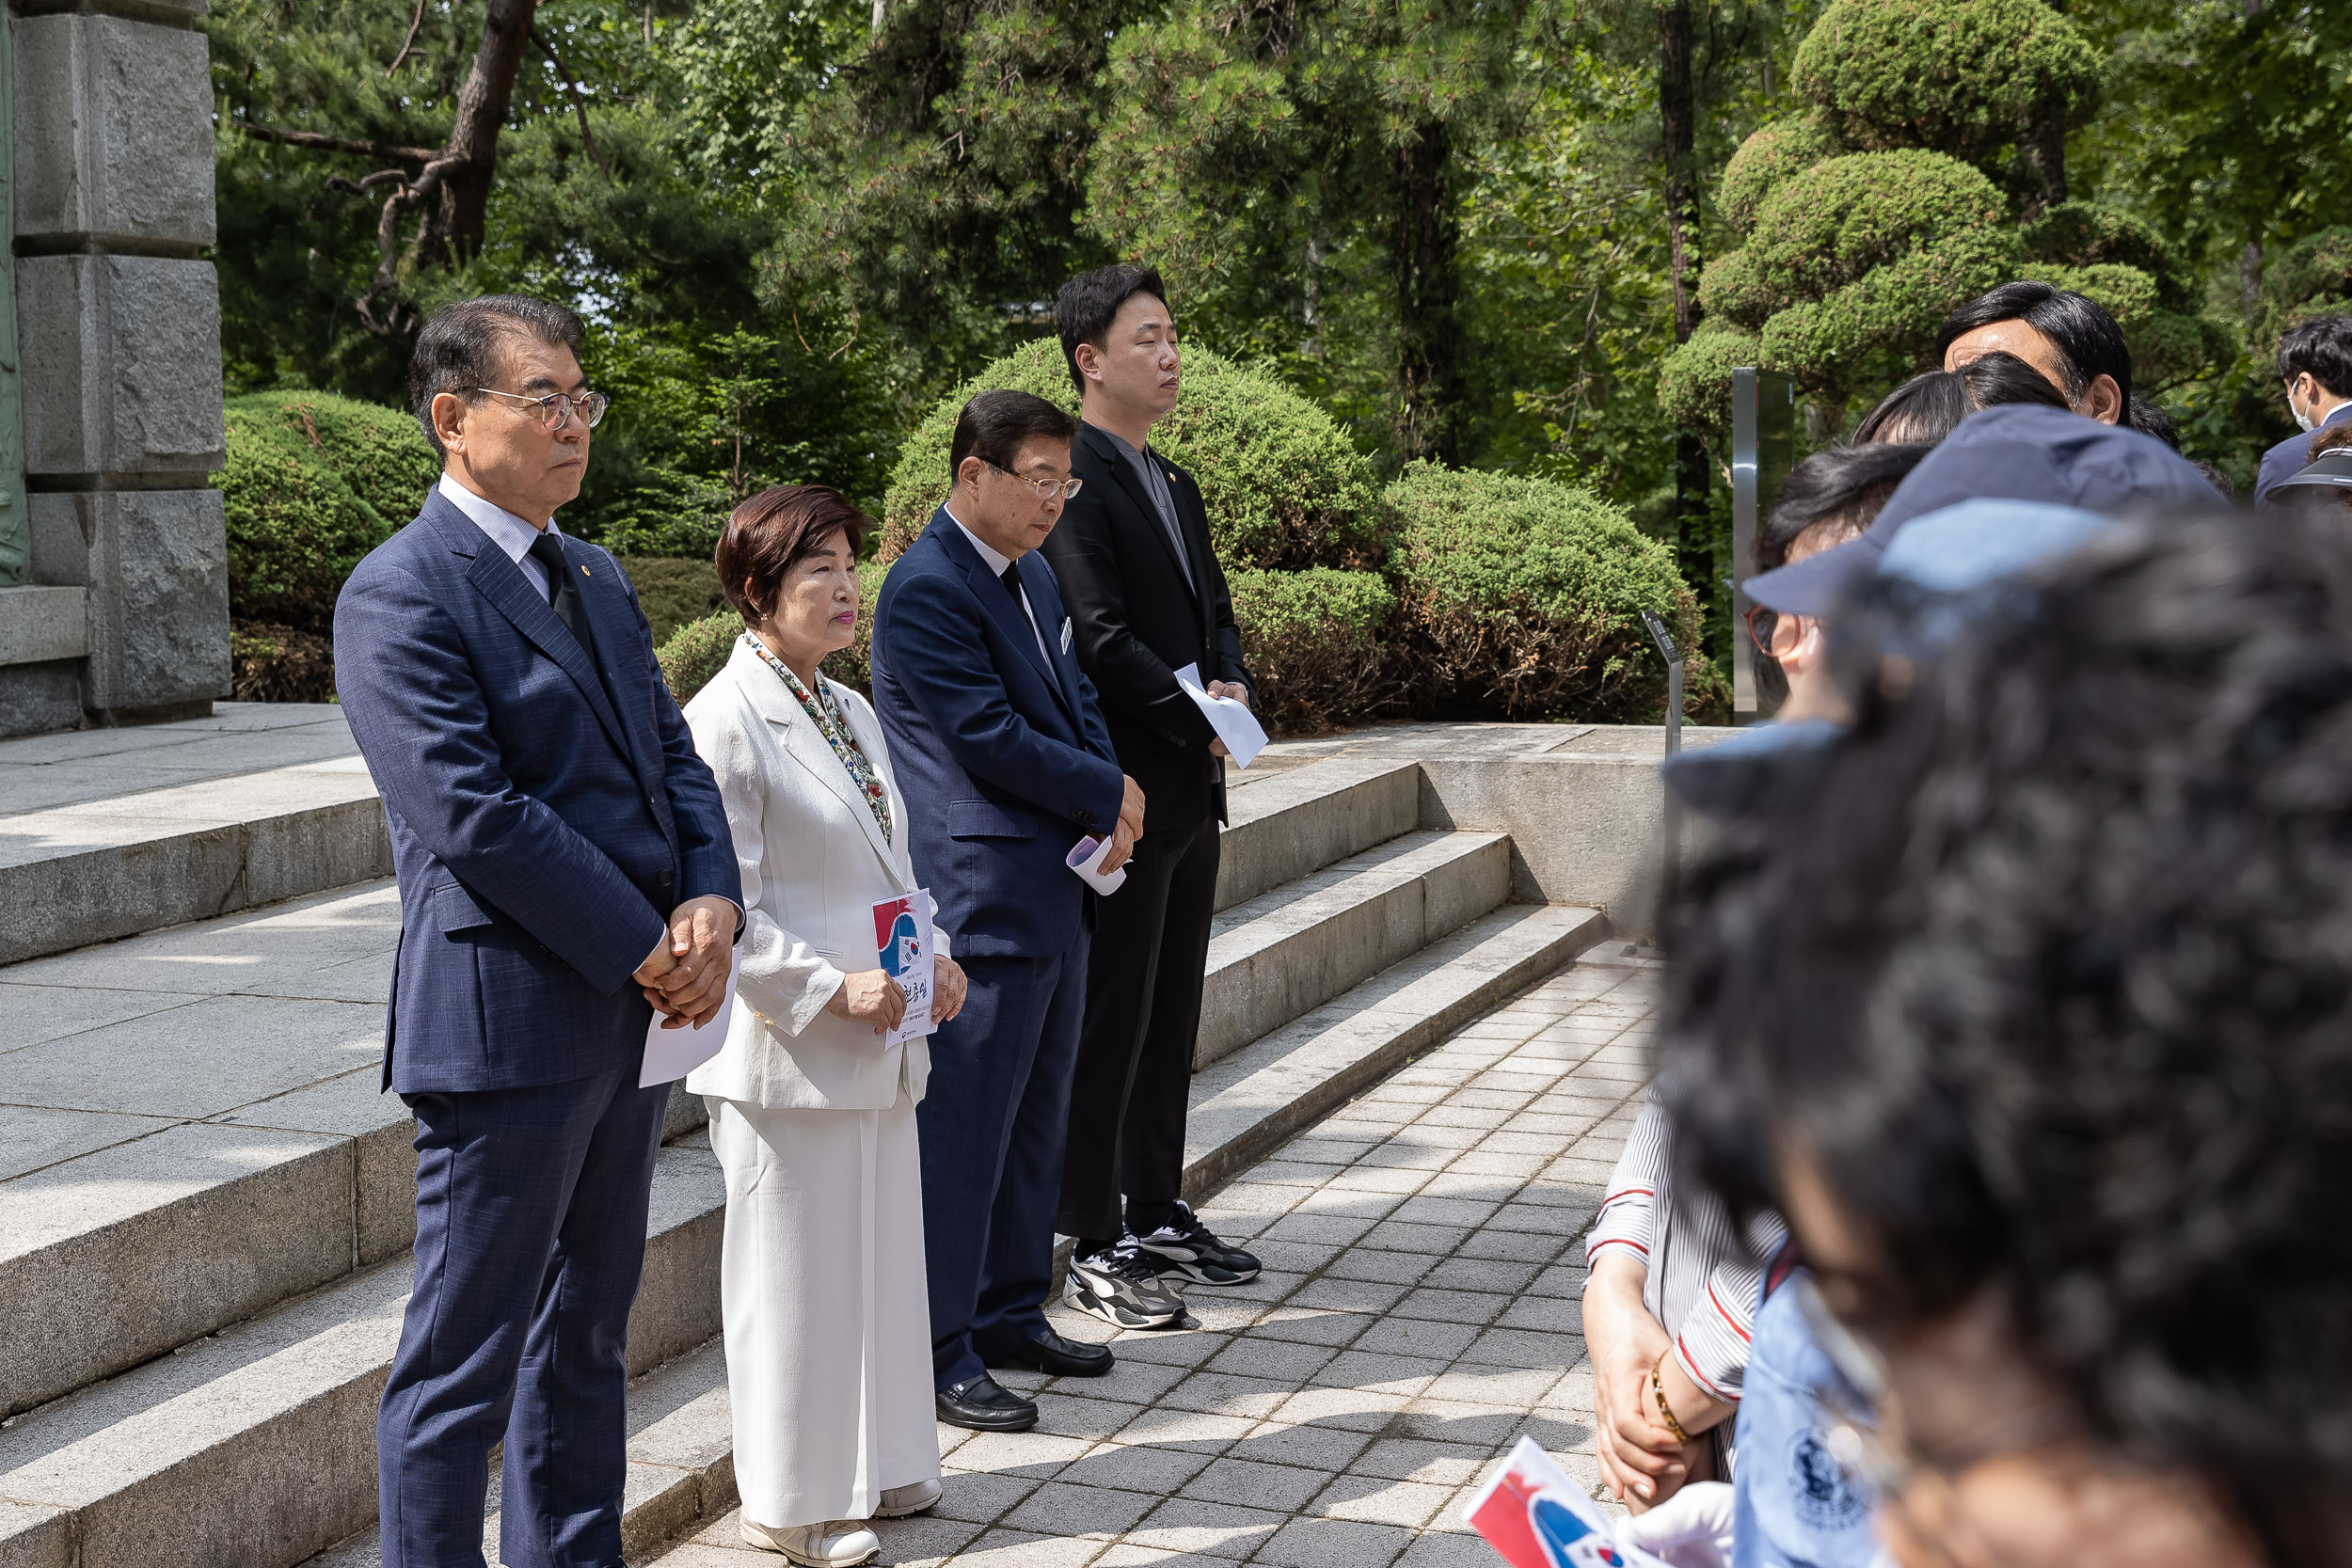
(1050, 1352)
(979, 1405)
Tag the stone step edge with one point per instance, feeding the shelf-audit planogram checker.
(191, 868)
(668, 1500)
(1456, 876)
(681, 1466)
(1445, 870)
(1299, 821)
(55, 1353)
(304, 1422)
(1566, 933)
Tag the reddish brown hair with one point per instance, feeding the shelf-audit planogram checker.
(775, 530)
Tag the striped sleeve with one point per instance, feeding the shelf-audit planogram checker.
(1712, 1340)
(1628, 1214)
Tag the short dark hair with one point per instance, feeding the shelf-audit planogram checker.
(1930, 404)
(2089, 344)
(2045, 970)
(1843, 486)
(994, 425)
(2149, 420)
(772, 533)
(460, 346)
(2321, 345)
(1083, 308)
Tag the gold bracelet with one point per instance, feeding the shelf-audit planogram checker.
(1665, 1411)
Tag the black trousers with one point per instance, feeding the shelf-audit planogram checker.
(1134, 1047)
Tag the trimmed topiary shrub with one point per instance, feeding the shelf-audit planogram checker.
(1522, 599)
(1875, 213)
(1284, 488)
(1317, 644)
(697, 651)
(1966, 77)
(673, 591)
(1771, 156)
(313, 483)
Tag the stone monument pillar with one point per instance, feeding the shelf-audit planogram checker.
(114, 583)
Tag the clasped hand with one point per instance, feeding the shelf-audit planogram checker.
(684, 976)
(873, 997)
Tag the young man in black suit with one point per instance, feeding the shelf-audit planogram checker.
(1141, 582)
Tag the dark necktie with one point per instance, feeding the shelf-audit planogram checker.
(563, 592)
(1011, 578)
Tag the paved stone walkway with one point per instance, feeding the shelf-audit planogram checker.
(1417, 1313)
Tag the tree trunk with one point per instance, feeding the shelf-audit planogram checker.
(1429, 368)
(1675, 119)
(2046, 153)
(455, 227)
(2249, 280)
(1694, 550)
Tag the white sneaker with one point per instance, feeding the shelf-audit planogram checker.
(916, 1496)
(841, 1544)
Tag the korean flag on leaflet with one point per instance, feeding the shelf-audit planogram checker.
(902, 943)
(1536, 1517)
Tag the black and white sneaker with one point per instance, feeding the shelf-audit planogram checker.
(1185, 1247)
(1123, 1287)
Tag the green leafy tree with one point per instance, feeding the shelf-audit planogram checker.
(1244, 145)
(1928, 166)
(939, 174)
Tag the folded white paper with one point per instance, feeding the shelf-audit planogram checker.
(902, 944)
(671, 1054)
(1234, 723)
(1086, 859)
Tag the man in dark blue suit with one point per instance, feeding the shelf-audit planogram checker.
(564, 869)
(2315, 362)
(1000, 749)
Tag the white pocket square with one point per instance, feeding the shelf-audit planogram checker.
(1065, 634)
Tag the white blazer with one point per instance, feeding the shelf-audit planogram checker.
(815, 863)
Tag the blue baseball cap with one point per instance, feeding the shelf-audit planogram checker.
(2016, 451)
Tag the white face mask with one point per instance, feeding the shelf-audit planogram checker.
(2304, 418)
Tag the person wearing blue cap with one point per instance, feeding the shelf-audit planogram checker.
(2019, 451)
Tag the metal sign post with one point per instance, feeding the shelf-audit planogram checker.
(1668, 819)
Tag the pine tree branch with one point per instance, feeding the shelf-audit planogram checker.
(580, 102)
(387, 150)
(408, 43)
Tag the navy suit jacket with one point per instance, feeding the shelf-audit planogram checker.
(544, 822)
(2292, 456)
(1000, 751)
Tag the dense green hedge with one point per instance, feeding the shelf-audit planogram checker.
(313, 483)
(1317, 642)
(1284, 488)
(1522, 599)
(1449, 593)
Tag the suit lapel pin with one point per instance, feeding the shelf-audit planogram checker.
(584, 571)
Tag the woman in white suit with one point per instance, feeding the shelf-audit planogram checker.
(828, 1335)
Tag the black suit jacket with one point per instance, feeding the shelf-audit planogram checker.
(1138, 619)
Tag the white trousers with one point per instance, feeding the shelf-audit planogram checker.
(828, 1326)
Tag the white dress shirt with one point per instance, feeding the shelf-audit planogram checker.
(997, 564)
(509, 532)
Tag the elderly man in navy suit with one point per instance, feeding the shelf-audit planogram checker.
(565, 870)
(1005, 766)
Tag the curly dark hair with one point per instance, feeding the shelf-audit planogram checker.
(2046, 968)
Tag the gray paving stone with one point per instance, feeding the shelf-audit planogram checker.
(1281, 1488)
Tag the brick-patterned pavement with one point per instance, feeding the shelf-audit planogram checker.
(1417, 1313)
